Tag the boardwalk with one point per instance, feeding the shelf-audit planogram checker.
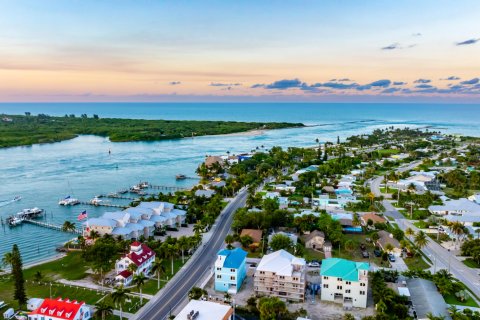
(51, 226)
(171, 188)
(88, 203)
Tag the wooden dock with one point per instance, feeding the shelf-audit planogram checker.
(117, 196)
(170, 188)
(109, 205)
(51, 226)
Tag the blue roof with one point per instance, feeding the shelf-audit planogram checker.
(234, 258)
(342, 268)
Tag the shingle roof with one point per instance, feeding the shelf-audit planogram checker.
(234, 258)
(426, 298)
(314, 234)
(342, 268)
(255, 234)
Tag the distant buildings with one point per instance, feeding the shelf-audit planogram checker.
(387, 238)
(372, 216)
(205, 310)
(314, 240)
(59, 309)
(462, 207)
(135, 221)
(141, 256)
(230, 270)
(345, 282)
(281, 275)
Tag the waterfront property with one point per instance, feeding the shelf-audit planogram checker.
(230, 270)
(134, 222)
(59, 309)
(281, 274)
(141, 256)
(345, 282)
(205, 310)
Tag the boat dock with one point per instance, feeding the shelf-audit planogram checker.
(51, 226)
(101, 204)
(116, 196)
(170, 188)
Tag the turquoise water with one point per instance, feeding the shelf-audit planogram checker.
(83, 168)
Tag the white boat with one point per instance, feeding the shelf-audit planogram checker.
(17, 198)
(15, 221)
(96, 201)
(68, 201)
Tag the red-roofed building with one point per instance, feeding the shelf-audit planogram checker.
(140, 255)
(59, 309)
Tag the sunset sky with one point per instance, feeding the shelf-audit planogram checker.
(116, 50)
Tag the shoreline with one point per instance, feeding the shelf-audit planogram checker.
(37, 263)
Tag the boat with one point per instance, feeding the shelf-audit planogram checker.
(123, 191)
(68, 201)
(17, 198)
(181, 177)
(96, 201)
(31, 213)
(14, 221)
(143, 185)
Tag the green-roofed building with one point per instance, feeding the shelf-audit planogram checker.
(345, 282)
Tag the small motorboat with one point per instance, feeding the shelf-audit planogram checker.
(96, 201)
(181, 177)
(17, 198)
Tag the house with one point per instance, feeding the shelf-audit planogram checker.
(34, 303)
(255, 234)
(293, 237)
(140, 255)
(372, 216)
(59, 309)
(281, 274)
(385, 238)
(230, 270)
(314, 240)
(457, 207)
(207, 193)
(344, 281)
(205, 310)
(426, 299)
(211, 160)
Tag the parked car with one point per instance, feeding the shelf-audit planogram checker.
(314, 264)
(365, 254)
(377, 253)
(391, 257)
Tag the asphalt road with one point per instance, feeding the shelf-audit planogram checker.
(441, 257)
(165, 301)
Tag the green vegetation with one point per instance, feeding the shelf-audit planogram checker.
(28, 130)
(416, 263)
(472, 249)
(469, 262)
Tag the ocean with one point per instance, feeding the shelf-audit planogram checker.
(83, 167)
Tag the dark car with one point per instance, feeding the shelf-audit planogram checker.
(377, 253)
(391, 257)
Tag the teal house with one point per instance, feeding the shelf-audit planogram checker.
(230, 270)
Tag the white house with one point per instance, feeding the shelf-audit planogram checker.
(140, 255)
(59, 309)
(461, 206)
(205, 310)
(345, 282)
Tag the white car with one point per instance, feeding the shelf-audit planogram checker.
(314, 264)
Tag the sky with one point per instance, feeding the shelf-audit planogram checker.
(285, 50)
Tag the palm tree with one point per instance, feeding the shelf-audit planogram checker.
(409, 232)
(183, 244)
(356, 221)
(7, 259)
(371, 196)
(171, 252)
(132, 267)
(421, 239)
(119, 296)
(94, 234)
(229, 239)
(158, 268)
(103, 309)
(457, 229)
(198, 227)
(68, 226)
(139, 281)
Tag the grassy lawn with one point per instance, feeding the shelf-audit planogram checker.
(420, 224)
(416, 215)
(469, 262)
(311, 254)
(451, 299)
(70, 267)
(416, 263)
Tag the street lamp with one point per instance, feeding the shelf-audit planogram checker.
(434, 262)
(449, 260)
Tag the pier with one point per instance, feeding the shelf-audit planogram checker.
(117, 196)
(170, 188)
(51, 226)
(109, 205)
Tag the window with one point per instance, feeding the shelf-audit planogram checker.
(232, 278)
(325, 278)
(295, 279)
(339, 279)
(262, 272)
(325, 286)
(347, 291)
(282, 277)
(219, 269)
(219, 276)
(362, 293)
(348, 283)
(362, 284)
(232, 270)
(339, 287)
